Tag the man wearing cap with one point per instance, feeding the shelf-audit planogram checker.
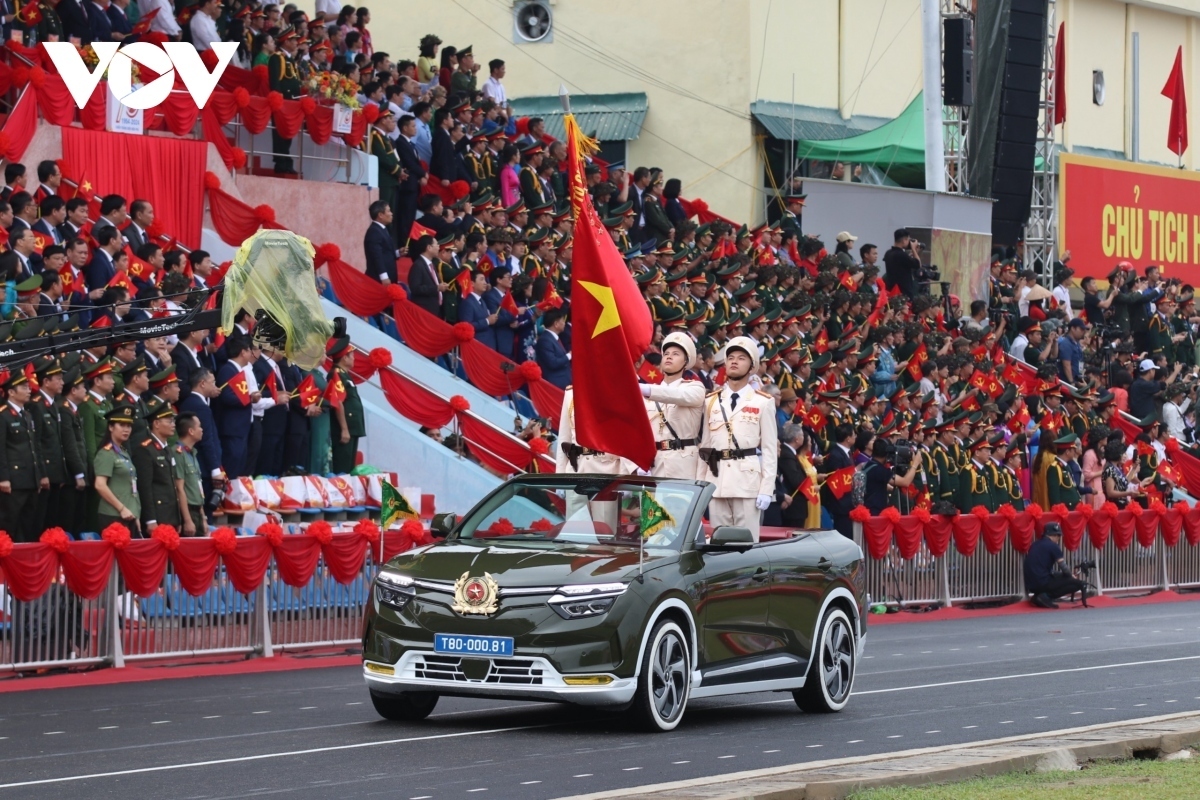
(1046, 575)
(154, 464)
(47, 415)
(22, 472)
(675, 408)
(1146, 391)
(738, 425)
(350, 425)
(135, 377)
(1070, 352)
(96, 405)
(73, 508)
(285, 79)
(463, 80)
(975, 485)
(389, 162)
(790, 219)
(1060, 488)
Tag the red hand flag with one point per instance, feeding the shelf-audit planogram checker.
(463, 279)
(840, 482)
(240, 388)
(809, 490)
(509, 304)
(822, 342)
(307, 392)
(978, 379)
(418, 230)
(29, 14)
(848, 282)
(272, 384)
(814, 418)
(1177, 134)
(335, 390)
(919, 357)
(67, 275)
(612, 329)
(650, 373)
(550, 298)
(31, 376)
(39, 243)
(121, 279)
(1019, 420)
(143, 25)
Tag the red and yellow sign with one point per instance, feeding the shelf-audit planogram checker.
(1112, 211)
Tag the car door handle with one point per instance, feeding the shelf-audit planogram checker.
(761, 574)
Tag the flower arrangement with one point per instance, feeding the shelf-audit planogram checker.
(333, 86)
(92, 61)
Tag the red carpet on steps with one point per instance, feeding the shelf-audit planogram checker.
(1026, 607)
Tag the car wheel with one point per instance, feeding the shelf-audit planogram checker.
(665, 680)
(831, 675)
(404, 707)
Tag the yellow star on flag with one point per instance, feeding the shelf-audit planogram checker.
(609, 318)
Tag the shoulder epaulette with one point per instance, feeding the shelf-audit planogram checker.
(764, 394)
(146, 442)
(690, 380)
(713, 392)
(107, 446)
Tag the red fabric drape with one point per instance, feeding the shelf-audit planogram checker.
(1170, 524)
(55, 101)
(344, 556)
(966, 533)
(1122, 530)
(497, 449)
(1146, 528)
(248, 563)
(699, 209)
(289, 118)
(20, 127)
(296, 558)
(1191, 526)
(993, 530)
(937, 534)
(29, 570)
(359, 292)
(422, 331)
(1100, 528)
(547, 399)
(213, 133)
(195, 563)
(482, 364)
(319, 124)
(167, 172)
(87, 566)
(908, 532)
(415, 402)
(234, 220)
(1020, 532)
(877, 534)
(1072, 526)
(143, 564)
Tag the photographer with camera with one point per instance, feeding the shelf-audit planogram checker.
(903, 263)
(1094, 308)
(1047, 577)
(882, 476)
(1179, 398)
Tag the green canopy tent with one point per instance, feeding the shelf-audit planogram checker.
(896, 148)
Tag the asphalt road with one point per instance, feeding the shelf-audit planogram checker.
(314, 734)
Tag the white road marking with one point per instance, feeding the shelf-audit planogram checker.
(469, 791)
(1138, 705)
(770, 751)
(854, 741)
(926, 652)
(109, 727)
(1022, 675)
(355, 704)
(969, 727)
(266, 756)
(421, 797)
(308, 708)
(811, 746)
(681, 762)
(260, 712)
(1073, 713)
(584, 775)
(161, 722)
(216, 716)
(933, 731)
(630, 769)
(529, 783)
(1170, 701)
(1007, 722)
(726, 756)
(52, 733)
(1039, 717)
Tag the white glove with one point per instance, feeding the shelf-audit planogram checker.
(762, 502)
(645, 473)
(645, 389)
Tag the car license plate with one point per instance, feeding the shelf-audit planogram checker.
(472, 645)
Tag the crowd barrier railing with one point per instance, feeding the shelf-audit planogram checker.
(978, 558)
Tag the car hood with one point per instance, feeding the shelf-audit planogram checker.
(528, 564)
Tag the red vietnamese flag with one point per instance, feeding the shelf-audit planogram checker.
(1169, 471)
(237, 384)
(1177, 133)
(550, 298)
(335, 391)
(612, 329)
(144, 21)
(509, 304)
(840, 482)
(919, 357)
(822, 342)
(29, 14)
(307, 392)
(649, 373)
(418, 230)
(970, 404)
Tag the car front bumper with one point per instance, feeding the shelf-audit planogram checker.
(518, 677)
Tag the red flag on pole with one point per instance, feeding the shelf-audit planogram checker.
(240, 388)
(919, 357)
(1177, 134)
(509, 304)
(840, 482)
(612, 329)
(307, 392)
(272, 384)
(335, 391)
(144, 21)
(1060, 75)
(418, 230)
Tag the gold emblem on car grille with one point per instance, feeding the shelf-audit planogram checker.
(475, 595)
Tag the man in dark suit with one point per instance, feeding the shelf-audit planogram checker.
(296, 448)
(77, 217)
(100, 271)
(274, 419)
(186, 360)
(378, 244)
(412, 178)
(552, 357)
(442, 166)
(423, 286)
(99, 23)
(234, 416)
(202, 389)
(74, 20)
(53, 214)
(791, 476)
(22, 243)
(141, 217)
(504, 326)
(473, 311)
(839, 458)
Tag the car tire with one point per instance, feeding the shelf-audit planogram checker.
(830, 678)
(665, 680)
(404, 707)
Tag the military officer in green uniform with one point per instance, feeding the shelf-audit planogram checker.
(976, 486)
(47, 416)
(793, 206)
(135, 377)
(448, 272)
(116, 481)
(154, 463)
(96, 405)
(285, 79)
(945, 457)
(1060, 488)
(79, 466)
(348, 425)
(49, 27)
(22, 471)
(481, 164)
(1008, 485)
(1159, 332)
(531, 184)
(189, 432)
(389, 163)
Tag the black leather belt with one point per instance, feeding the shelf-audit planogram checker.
(676, 444)
(734, 455)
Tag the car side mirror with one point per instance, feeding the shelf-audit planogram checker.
(441, 525)
(728, 536)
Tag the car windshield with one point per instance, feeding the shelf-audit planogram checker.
(596, 510)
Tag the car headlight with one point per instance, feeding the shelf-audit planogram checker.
(394, 590)
(585, 600)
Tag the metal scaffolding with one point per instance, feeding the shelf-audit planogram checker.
(1041, 231)
(954, 118)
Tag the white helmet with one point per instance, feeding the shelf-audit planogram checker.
(684, 341)
(746, 344)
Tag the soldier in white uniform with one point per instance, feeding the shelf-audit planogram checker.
(738, 425)
(575, 458)
(676, 407)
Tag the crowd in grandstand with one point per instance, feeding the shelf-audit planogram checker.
(885, 394)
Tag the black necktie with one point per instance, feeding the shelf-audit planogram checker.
(733, 401)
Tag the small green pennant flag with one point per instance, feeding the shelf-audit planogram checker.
(393, 505)
(654, 516)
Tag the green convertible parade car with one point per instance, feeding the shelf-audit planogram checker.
(612, 592)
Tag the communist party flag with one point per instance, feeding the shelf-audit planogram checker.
(335, 391)
(138, 268)
(272, 384)
(840, 482)
(307, 392)
(463, 279)
(39, 243)
(612, 328)
(121, 279)
(919, 357)
(978, 379)
(994, 388)
(809, 490)
(237, 384)
(814, 418)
